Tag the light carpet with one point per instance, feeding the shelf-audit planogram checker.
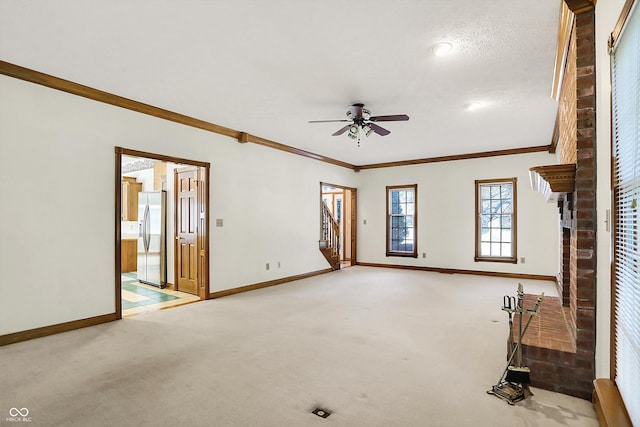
(376, 347)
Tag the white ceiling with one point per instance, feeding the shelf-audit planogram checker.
(268, 67)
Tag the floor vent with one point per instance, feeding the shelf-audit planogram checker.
(323, 413)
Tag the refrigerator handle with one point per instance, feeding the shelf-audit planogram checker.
(146, 226)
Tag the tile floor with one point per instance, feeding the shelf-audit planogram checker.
(139, 298)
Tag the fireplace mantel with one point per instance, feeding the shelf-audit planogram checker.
(553, 181)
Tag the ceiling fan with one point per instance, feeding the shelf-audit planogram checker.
(359, 117)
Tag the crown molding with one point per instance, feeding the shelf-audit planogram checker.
(287, 148)
(77, 89)
(565, 27)
(57, 83)
(467, 156)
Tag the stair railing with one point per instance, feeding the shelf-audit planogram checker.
(330, 236)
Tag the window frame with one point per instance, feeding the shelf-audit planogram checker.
(513, 258)
(389, 215)
(625, 181)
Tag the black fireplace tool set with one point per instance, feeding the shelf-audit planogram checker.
(513, 385)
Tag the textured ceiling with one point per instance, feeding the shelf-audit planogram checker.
(268, 67)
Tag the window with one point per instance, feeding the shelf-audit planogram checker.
(402, 222)
(625, 69)
(496, 220)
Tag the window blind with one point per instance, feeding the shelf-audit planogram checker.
(626, 188)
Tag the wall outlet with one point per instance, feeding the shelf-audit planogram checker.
(278, 264)
(219, 222)
(522, 260)
(267, 266)
(364, 221)
(424, 254)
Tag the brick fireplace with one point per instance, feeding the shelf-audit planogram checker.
(561, 348)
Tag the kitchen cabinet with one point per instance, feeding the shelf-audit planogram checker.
(159, 176)
(130, 190)
(129, 256)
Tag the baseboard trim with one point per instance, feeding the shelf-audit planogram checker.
(609, 405)
(55, 329)
(261, 285)
(457, 271)
(558, 280)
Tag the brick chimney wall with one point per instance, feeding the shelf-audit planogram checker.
(559, 368)
(567, 107)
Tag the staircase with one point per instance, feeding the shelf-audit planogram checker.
(330, 237)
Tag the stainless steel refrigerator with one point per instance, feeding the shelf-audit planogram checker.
(152, 240)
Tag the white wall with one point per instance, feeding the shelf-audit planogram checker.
(446, 212)
(57, 177)
(607, 13)
(57, 182)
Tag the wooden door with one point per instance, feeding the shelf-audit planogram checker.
(186, 252)
(353, 224)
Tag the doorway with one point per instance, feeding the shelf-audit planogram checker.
(149, 261)
(341, 202)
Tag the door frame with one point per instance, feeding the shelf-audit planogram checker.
(205, 167)
(354, 216)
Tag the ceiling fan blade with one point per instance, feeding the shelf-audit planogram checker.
(391, 118)
(379, 130)
(341, 131)
(329, 121)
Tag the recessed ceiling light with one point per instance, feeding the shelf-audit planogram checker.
(476, 105)
(441, 48)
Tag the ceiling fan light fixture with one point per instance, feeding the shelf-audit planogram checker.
(361, 118)
(353, 131)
